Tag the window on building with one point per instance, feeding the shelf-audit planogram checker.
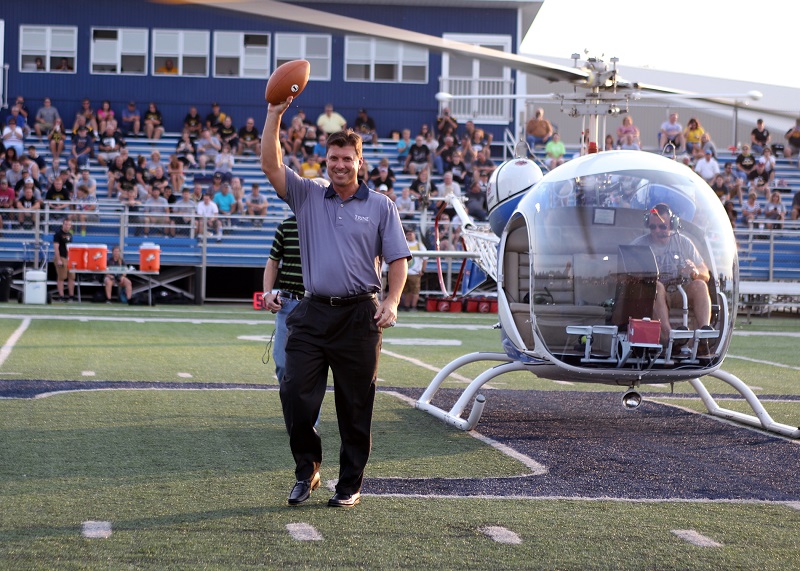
(119, 51)
(315, 48)
(238, 54)
(48, 48)
(180, 52)
(372, 59)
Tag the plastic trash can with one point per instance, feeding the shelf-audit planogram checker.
(35, 292)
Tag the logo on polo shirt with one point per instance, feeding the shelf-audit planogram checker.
(361, 218)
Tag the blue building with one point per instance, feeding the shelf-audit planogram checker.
(119, 51)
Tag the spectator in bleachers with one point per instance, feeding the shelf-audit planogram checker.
(444, 154)
(432, 144)
(208, 147)
(224, 163)
(185, 150)
(364, 125)
(416, 265)
(775, 211)
(330, 121)
(731, 212)
(227, 133)
(671, 133)
(406, 205)
(85, 116)
(745, 164)
(461, 173)
(215, 187)
(117, 169)
(156, 213)
(257, 204)
(609, 143)
(707, 167)
(82, 146)
(760, 137)
(127, 184)
(55, 138)
(383, 179)
(448, 186)
(12, 166)
(131, 120)
(184, 210)
(29, 167)
(85, 179)
(52, 171)
(538, 130)
(384, 169)
(421, 186)
(628, 128)
(733, 182)
(446, 235)
(68, 177)
(364, 170)
(239, 201)
(476, 202)
(720, 188)
(13, 135)
(28, 207)
(419, 157)
(792, 136)
(759, 180)
(45, 118)
(208, 211)
(197, 192)
(629, 143)
(57, 198)
(215, 118)
(105, 117)
(296, 135)
(769, 164)
(19, 188)
(153, 162)
(483, 163)
(35, 158)
(249, 139)
(751, 209)
(446, 124)
(403, 145)
(554, 150)
(796, 206)
(109, 145)
(175, 172)
(153, 122)
(311, 167)
(85, 209)
(8, 199)
(192, 123)
(21, 111)
(159, 177)
(310, 141)
(692, 134)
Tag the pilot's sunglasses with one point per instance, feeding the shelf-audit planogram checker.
(659, 226)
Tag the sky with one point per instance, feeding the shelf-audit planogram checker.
(706, 37)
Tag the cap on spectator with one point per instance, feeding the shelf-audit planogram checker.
(215, 104)
(29, 180)
(383, 188)
(762, 161)
(362, 110)
(83, 128)
(708, 152)
(217, 175)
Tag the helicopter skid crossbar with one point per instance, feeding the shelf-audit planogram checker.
(453, 417)
(762, 419)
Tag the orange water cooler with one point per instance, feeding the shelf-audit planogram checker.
(149, 257)
(77, 256)
(96, 257)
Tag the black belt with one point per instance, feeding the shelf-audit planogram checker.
(290, 295)
(339, 301)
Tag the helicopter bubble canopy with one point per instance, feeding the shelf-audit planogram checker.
(573, 234)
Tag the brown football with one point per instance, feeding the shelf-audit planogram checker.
(287, 80)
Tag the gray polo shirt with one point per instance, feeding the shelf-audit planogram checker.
(342, 242)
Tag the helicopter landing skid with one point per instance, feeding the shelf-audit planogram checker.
(762, 419)
(454, 415)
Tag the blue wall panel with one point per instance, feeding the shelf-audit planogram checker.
(393, 106)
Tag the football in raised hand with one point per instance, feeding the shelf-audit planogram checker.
(287, 80)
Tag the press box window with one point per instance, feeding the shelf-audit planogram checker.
(239, 54)
(314, 48)
(48, 48)
(119, 51)
(187, 50)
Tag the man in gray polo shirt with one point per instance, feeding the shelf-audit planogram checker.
(345, 230)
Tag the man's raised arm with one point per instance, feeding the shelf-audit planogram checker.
(271, 155)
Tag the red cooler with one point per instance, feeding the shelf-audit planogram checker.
(97, 257)
(76, 256)
(150, 257)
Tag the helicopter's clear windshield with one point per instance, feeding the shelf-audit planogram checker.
(583, 218)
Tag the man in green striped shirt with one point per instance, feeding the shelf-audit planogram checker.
(284, 256)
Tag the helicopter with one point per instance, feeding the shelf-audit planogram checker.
(574, 289)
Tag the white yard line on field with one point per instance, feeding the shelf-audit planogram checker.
(5, 351)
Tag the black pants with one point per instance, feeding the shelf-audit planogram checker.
(346, 340)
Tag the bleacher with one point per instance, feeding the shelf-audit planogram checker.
(763, 254)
